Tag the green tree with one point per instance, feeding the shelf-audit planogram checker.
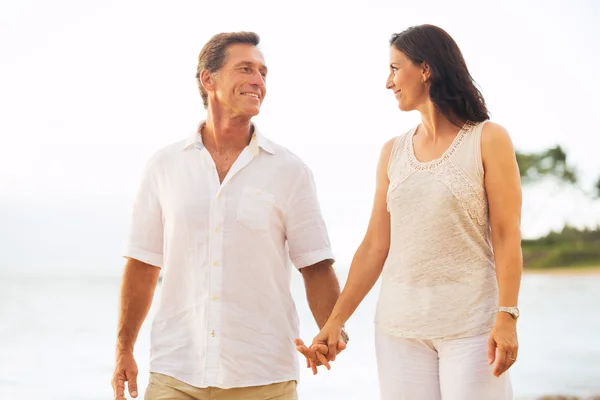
(571, 246)
(549, 163)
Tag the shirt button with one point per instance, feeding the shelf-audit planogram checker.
(213, 334)
(217, 229)
(216, 263)
(214, 297)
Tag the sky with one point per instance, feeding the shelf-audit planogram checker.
(89, 90)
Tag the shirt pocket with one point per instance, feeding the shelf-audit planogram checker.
(255, 208)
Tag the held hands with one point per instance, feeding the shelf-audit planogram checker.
(503, 345)
(324, 348)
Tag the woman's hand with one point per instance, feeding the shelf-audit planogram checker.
(503, 345)
(324, 348)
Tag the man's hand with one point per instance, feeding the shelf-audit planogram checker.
(314, 358)
(324, 348)
(125, 371)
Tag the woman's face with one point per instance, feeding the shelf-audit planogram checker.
(407, 81)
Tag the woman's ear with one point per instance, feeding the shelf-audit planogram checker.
(425, 72)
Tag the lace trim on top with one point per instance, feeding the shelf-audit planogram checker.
(429, 165)
(398, 170)
(471, 197)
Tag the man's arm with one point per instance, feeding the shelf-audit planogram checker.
(365, 269)
(322, 289)
(322, 292)
(137, 291)
(309, 246)
(143, 250)
(310, 251)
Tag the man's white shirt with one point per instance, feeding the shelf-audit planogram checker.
(226, 317)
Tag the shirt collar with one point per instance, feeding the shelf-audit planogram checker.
(257, 141)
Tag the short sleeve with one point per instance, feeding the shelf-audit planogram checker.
(144, 240)
(306, 232)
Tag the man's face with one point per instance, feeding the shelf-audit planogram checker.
(240, 84)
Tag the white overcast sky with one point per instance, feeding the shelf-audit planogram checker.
(90, 89)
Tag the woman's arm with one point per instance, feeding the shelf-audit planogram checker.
(503, 187)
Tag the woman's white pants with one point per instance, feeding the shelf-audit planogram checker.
(454, 369)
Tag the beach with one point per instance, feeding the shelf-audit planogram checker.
(564, 271)
(58, 333)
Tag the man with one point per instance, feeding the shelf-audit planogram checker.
(219, 213)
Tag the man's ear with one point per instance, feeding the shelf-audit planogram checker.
(208, 80)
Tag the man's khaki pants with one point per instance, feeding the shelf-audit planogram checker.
(163, 387)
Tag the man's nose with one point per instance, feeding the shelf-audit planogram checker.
(257, 80)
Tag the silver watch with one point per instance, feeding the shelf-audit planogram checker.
(513, 311)
(344, 336)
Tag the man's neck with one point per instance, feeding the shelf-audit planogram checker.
(225, 133)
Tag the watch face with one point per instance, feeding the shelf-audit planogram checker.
(516, 312)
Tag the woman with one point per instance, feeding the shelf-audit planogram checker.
(447, 190)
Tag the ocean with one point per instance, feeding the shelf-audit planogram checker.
(57, 337)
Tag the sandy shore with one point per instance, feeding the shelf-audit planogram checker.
(568, 398)
(565, 271)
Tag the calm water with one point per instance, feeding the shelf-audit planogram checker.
(57, 340)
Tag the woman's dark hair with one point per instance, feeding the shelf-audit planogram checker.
(452, 88)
